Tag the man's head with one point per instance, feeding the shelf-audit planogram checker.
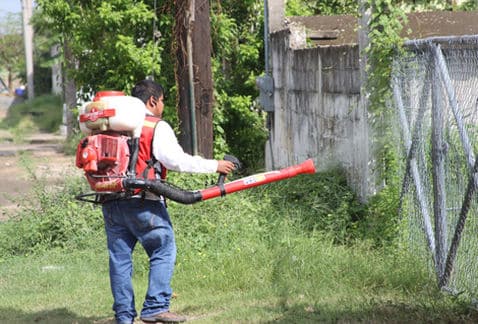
(152, 94)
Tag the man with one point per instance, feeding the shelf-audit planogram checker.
(144, 217)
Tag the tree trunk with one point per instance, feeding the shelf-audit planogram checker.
(10, 80)
(195, 86)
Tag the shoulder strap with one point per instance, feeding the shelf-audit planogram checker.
(159, 170)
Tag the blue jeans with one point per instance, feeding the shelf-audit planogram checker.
(146, 221)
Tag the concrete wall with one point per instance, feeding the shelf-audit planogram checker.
(317, 108)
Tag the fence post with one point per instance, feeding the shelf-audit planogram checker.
(438, 170)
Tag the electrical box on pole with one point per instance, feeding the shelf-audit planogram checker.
(266, 92)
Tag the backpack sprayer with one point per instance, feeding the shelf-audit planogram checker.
(108, 155)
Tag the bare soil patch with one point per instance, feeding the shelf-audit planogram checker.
(20, 170)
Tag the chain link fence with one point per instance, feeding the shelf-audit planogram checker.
(435, 92)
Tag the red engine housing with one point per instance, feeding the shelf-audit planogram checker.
(104, 158)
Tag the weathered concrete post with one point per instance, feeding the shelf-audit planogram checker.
(361, 152)
(276, 10)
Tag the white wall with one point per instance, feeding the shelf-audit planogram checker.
(317, 111)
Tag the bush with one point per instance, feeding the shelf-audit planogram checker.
(307, 205)
(382, 224)
(322, 202)
(51, 218)
(244, 130)
(45, 112)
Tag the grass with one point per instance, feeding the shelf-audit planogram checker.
(268, 254)
(335, 284)
(56, 287)
(43, 113)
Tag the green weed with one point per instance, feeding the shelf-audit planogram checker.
(50, 217)
(43, 113)
(23, 129)
(270, 254)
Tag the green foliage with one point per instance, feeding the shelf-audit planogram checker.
(22, 130)
(50, 218)
(386, 23)
(294, 279)
(381, 224)
(113, 44)
(11, 43)
(244, 130)
(112, 41)
(71, 143)
(424, 5)
(237, 61)
(220, 145)
(320, 203)
(316, 203)
(45, 112)
(469, 5)
(269, 252)
(327, 7)
(11, 51)
(237, 34)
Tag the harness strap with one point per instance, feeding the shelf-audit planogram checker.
(155, 165)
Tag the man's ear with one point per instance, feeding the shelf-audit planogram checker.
(152, 101)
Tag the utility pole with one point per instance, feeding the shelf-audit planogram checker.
(69, 88)
(27, 10)
(274, 20)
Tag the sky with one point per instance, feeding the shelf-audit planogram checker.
(10, 6)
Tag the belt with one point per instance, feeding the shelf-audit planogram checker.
(148, 196)
(103, 198)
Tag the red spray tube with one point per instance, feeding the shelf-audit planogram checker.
(258, 180)
(161, 188)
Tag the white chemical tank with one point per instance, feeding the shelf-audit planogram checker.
(112, 110)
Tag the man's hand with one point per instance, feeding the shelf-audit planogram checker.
(225, 167)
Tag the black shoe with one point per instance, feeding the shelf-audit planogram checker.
(165, 317)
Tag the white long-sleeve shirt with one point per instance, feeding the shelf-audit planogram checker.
(167, 150)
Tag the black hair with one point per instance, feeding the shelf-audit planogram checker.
(146, 88)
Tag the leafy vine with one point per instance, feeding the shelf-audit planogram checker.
(385, 42)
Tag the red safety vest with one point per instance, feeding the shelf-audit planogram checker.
(145, 154)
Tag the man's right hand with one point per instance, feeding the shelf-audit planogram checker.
(225, 167)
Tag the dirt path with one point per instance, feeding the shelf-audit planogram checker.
(17, 179)
(38, 156)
